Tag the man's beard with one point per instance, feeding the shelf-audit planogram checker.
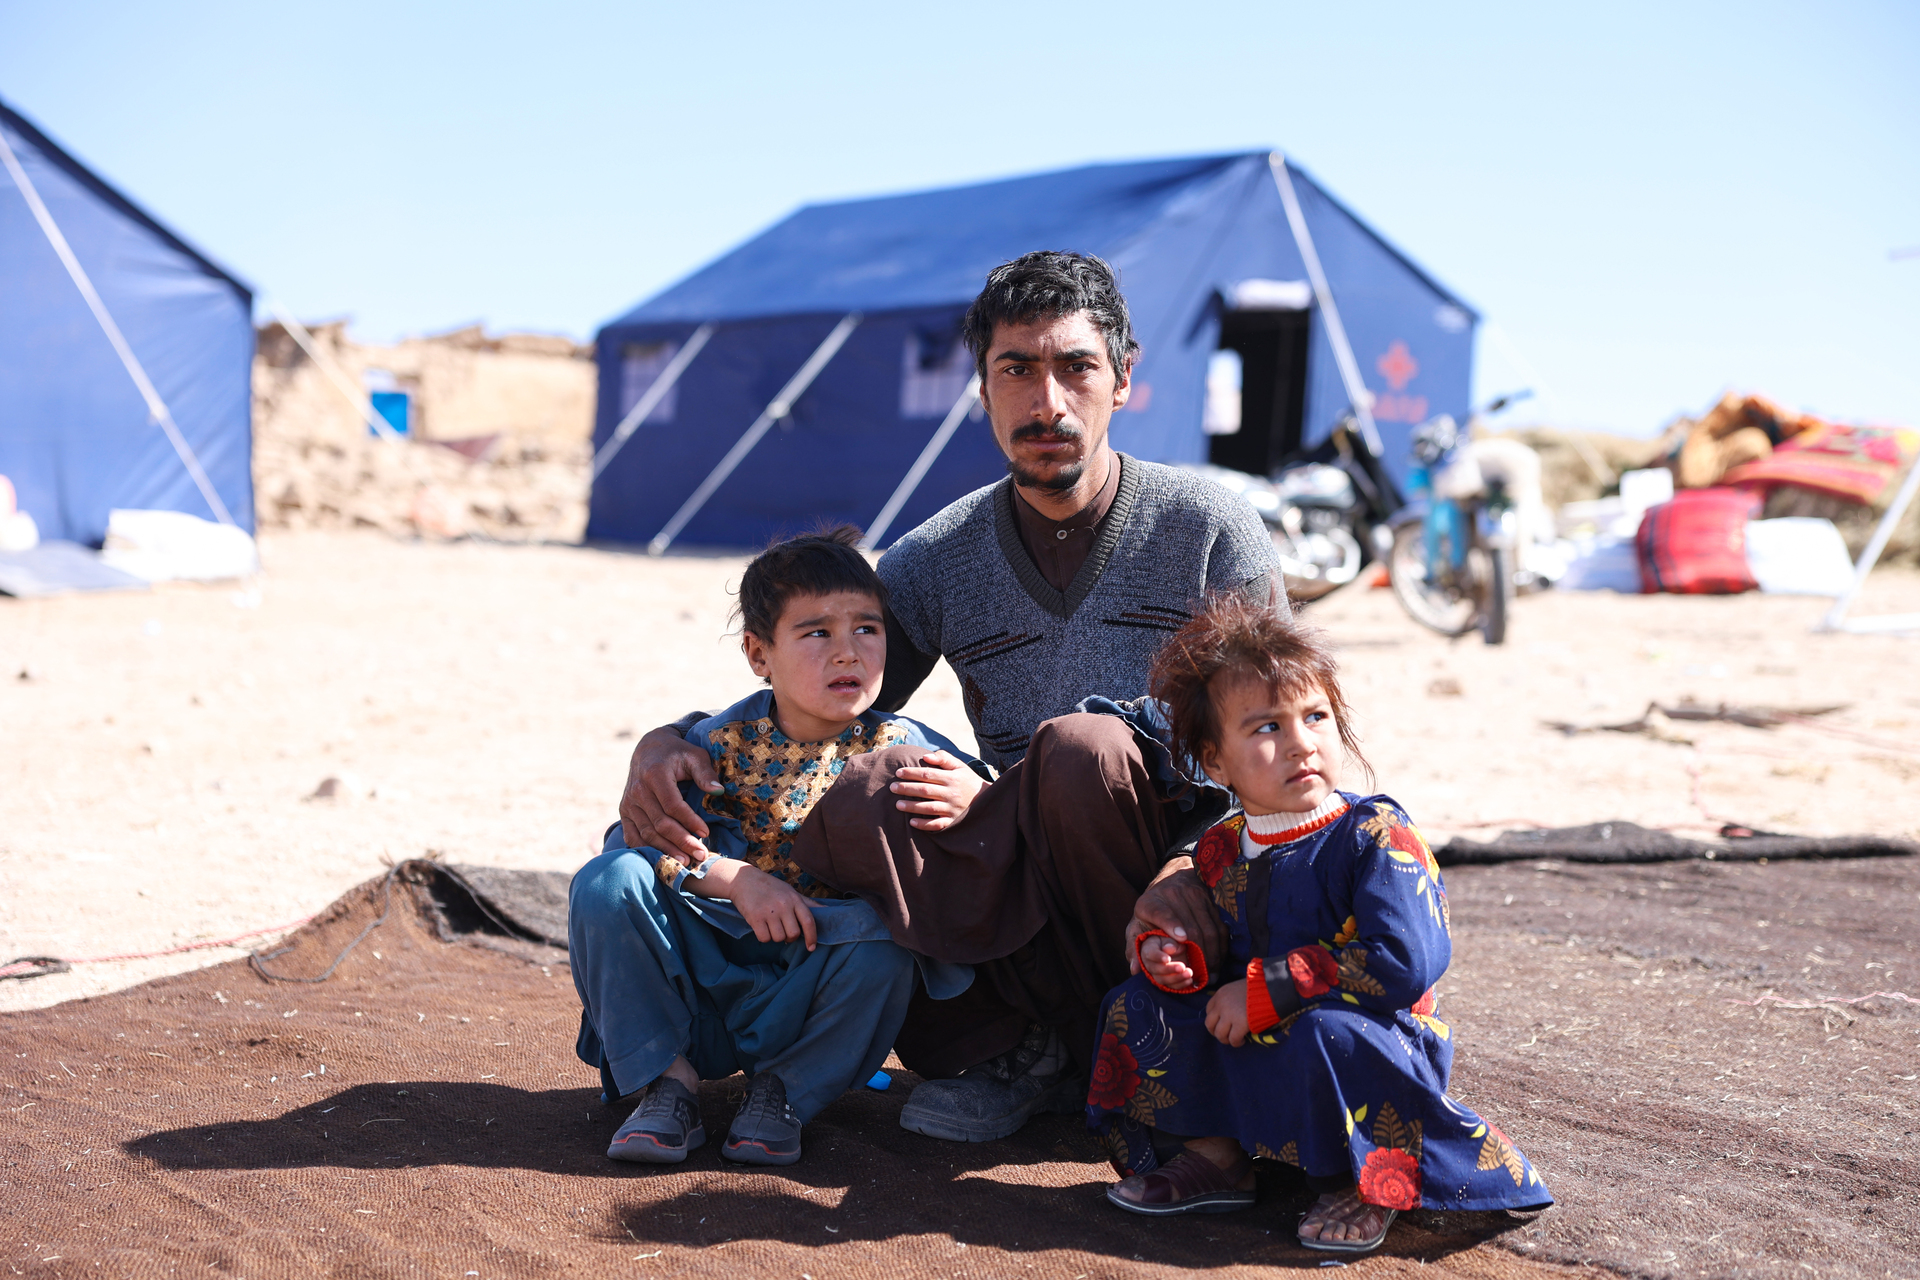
(1060, 481)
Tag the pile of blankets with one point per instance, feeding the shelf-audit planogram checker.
(1799, 465)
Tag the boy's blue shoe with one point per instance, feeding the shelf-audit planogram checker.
(663, 1128)
(766, 1131)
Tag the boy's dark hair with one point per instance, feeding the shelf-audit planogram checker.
(1044, 285)
(813, 564)
(1235, 637)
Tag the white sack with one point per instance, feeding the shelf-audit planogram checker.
(1640, 490)
(162, 546)
(1798, 556)
(18, 532)
(1607, 562)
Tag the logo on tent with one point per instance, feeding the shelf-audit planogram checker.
(1399, 368)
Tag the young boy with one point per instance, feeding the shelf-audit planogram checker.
(745, 962)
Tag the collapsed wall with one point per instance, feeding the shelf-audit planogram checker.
(499, 435)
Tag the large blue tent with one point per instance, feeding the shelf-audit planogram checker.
(78, 435)
(1208, 259)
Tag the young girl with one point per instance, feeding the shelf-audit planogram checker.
(1316, 1042)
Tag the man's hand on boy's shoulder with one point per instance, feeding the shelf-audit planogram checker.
(653, 814)
(938, 790)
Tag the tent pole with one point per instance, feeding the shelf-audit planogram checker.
(921, 465)
(1357, 394)
(778, 408)
(654, 395)
(1836, 619)
(157, 410)
(361, 405)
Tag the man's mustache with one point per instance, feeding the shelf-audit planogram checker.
(1034, 430)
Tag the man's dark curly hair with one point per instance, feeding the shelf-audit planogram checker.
(1235, 638)
(1047, 284)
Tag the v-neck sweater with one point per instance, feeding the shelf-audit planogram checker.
(1059, 547)
(963, 586)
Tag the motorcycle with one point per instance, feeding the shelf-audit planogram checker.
(1451, 561)
(1326, 511)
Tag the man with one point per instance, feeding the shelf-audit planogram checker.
(1053, 586)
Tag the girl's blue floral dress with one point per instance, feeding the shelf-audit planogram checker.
(1350, 922)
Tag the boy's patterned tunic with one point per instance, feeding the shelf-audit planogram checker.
(772, 783)
(1353, 1082)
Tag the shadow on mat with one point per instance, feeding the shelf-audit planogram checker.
(863, 1178)
(409, 1123)
(1001, 1213)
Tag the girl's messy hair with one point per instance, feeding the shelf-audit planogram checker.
(1233, 638)
(813, 564)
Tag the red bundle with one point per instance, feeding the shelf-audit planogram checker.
(1697, 543)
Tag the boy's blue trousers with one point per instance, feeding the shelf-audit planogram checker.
(656, 979)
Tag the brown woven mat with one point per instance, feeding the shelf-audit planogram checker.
(421, 1113)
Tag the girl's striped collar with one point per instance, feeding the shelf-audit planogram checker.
(1266, 830)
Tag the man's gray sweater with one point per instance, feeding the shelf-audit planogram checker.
(964, 587)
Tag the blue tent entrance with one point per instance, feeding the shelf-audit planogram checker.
(79, 433)
(1211, 257)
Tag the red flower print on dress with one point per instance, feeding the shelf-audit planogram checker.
(1424, 1006)
(1116, 1075)
(1408, 841)
(1390, 1179)
(1313, 970)
(1217, 850)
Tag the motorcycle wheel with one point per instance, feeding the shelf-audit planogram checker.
(1310, 577)
(1493, 617)
(1441, 606)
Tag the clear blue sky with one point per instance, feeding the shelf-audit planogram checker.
(1654, 202)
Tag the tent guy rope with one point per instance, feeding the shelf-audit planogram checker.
(921, 465)
(648, 402)
(157, 409)
(1357, 393)
(778, 408)
(40, 966)
(1781, 1002)
(361, 404)
(1836, 619)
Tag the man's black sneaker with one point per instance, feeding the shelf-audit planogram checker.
(663, 1128)
(766, 1131)
(994, 1099)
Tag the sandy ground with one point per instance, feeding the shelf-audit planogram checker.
(479, 701)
